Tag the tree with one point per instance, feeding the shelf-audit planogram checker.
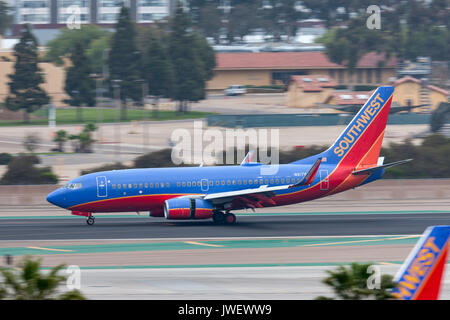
(79, 84)
(188, 68)
(25, 92)
(60, 138)
(84, 139)
(351, 283)
(124, 61)
(63, 44)
(31, 142)
(5, 17)
(28, 283)
(21, 170)
(157, 71)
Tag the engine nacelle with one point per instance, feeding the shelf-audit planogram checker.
(185, 208)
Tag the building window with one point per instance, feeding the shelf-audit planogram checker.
(369, 76)
(378, 75)
(359, 76)
(152, 3)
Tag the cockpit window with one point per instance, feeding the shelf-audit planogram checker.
(73, 186)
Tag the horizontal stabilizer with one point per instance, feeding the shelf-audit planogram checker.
(309, 177)
(373, 169)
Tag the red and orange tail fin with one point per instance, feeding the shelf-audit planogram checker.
(360, 143)
(420, 277)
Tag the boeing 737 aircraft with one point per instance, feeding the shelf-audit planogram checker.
(213, 192)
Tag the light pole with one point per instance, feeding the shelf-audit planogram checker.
(98, 94)
(116, 87)
(145, 122)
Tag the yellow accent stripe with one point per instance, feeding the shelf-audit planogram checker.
(356, 241)
(141, 195)
(203, 244)
(50, 249)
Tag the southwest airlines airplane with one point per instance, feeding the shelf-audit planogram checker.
(213, 192)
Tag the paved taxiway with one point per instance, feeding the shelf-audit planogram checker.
(264, 256)
(262, 225)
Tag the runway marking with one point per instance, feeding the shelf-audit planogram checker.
(356, 241)
(203, 244)
(50, 249)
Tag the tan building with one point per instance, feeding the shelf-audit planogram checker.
(410, 91)
(307, 91)
(54, 76)
(268, 68)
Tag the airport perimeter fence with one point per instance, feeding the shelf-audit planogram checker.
(302, 119)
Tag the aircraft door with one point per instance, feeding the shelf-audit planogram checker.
(205, 185)
(102, 188)
(324, 182)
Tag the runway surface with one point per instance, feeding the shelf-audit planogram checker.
(263, 225)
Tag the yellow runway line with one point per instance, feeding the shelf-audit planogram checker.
(50, 249)
(356, 241)
(203, 244)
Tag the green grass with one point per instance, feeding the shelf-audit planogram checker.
(69, 116)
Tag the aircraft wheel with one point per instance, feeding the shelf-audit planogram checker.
(90, 221)
(230, 218)
(218, 217)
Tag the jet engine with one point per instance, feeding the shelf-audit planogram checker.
(186, 208)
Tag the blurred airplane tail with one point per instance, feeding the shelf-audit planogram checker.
(420, 276)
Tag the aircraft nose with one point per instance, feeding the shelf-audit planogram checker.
(56, 197)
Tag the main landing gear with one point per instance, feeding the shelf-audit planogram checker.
(90, 220)
(224, 218)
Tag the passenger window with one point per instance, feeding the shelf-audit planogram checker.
(184, 184)
(223, 182)
(256, 181)
(129, 186)
(135, 185)
(217, 182)
(140, 185)
(266, 181)
(151, 185)
(250, 181)
(119, 186)
(178, 184)
(162, 184)
(189, 184)
(124, 185)
(239, 181)
(146, 185)
(156, 185)
(167, 184)
(194, 183)
(261, 181)
(277, 181)
(271, 181)
(245, 181)
(288, 180)
(113, 186)
(282, 181)
(234, 182)
(210, 183)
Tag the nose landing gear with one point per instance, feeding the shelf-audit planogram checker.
(90, 220)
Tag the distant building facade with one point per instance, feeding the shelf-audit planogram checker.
(47, 16)
(268, 68)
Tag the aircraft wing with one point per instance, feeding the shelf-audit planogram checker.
(255, 197)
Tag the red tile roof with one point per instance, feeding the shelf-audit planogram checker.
(273, 60)
(349, 97)
(406, 79)
(440, 90)
(371, 60)
(292, 60)
(309, 83)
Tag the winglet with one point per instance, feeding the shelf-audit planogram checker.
(420, 276)
(309, 177)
